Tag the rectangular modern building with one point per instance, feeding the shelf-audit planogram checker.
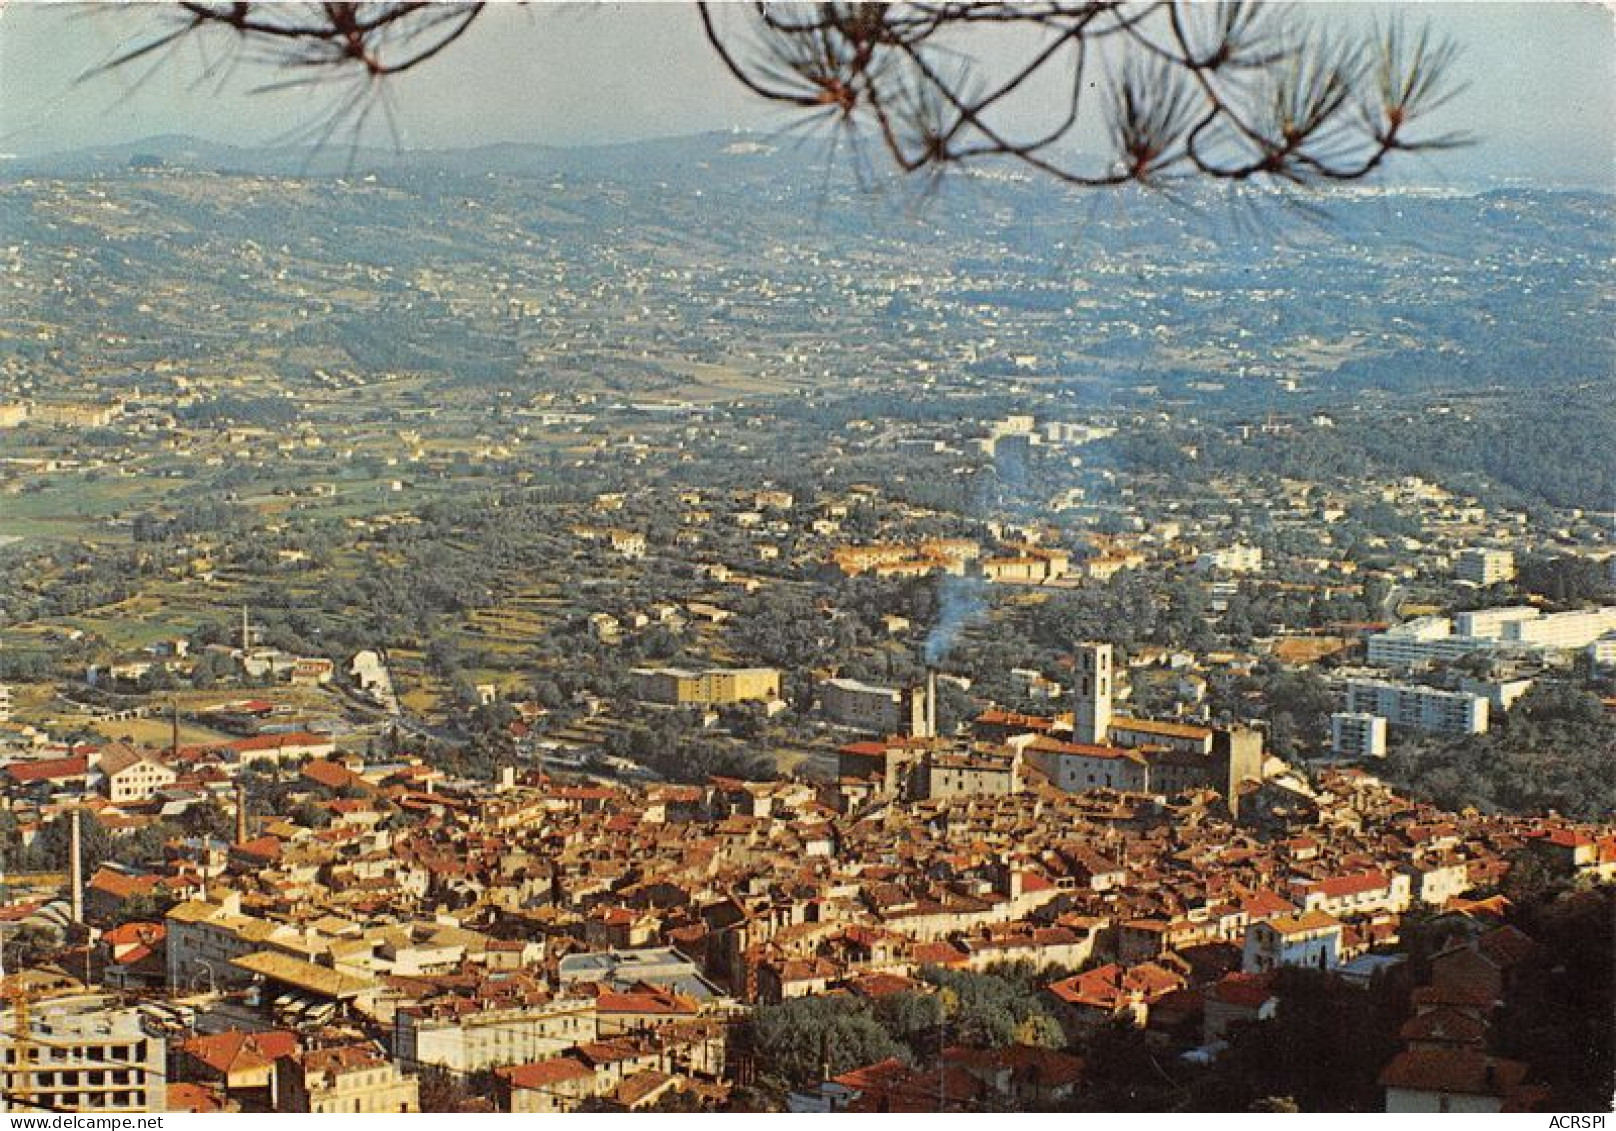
(1417, 707)
(81, 1054)
(712, 687)
(1484, 566)
(1357, 735)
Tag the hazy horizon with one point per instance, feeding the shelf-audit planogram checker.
(611, 74)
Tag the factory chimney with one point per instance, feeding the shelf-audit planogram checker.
(914, 703)
(241, 813)
(931, 703)
(75, 865)
(174, 728)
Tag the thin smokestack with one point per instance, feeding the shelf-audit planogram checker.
(241, 813)
(75, 865)
(931, 703)
(174, 730)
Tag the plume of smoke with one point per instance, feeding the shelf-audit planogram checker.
(960, 601)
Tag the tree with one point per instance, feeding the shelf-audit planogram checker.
(802, 1038)
(1281, 1057)
(30, 945)
(1228, 92)
(987, 1010)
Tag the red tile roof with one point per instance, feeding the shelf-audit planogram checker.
(1338, 887)
(49, 769)
(545, 1073)
(238, 1051)
(1453, 1071)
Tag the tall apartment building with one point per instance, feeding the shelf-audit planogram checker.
(1421, 708)
(1484, 566)
(1357, 735)
(712, 687)
(81, 1054)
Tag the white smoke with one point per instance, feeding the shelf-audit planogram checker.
(960, 601)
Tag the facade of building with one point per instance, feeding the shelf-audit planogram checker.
(469, 1042)
(547, 1087)
(850, 703)
(354, 1078)
(1075, 767)
(1231, 559)
(1310, 939)
(712, 687)
(970, 774)
(1420, 708)
(1421, 641)
(81, 1055)
(1562, 630)
(1484, 566)
(1357, 735)
(130, 775)
(1490, 624)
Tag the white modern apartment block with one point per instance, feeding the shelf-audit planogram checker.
(1424, 640)
(1421, 641)
(1421, 708)
(1231, 559)
(1562, 630)
(1493, 624)
(1357, 735)
(1484, 566)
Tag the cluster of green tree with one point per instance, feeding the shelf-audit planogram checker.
(1559, 1015)
(801, 1040)
(1548, 448)
(1564, 578)
(1324, 1048)
(49, 850)
(1556, 749)
(202, 517)
(65, 580)
(671, 744)
(1296, 702)
(231, 408)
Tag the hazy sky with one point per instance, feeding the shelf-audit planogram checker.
(1541, 96)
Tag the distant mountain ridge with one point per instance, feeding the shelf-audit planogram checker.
(618, 158)
(338, 159)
